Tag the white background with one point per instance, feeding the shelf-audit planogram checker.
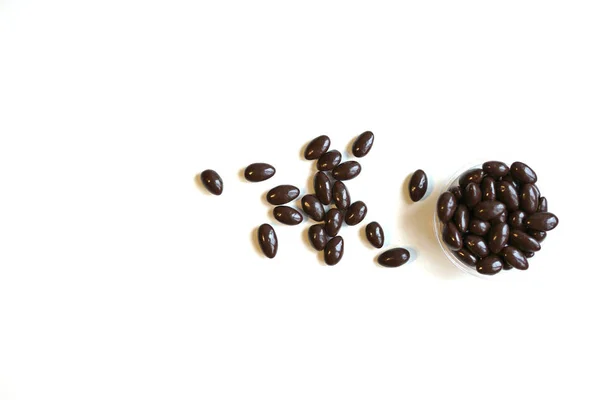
(120, 278)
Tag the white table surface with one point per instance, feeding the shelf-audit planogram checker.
(120, 278)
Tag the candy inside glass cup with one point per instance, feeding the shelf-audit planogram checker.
(438, 228)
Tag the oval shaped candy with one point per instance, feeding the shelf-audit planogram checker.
(529, 199)
(487, 210)
(466, 257)
(259, 172)
(498, 237)
(363, 143)
(333, 221)
(317, 147)
(346, 171)
(473, 175)
(452, 236)
(490, 265)
(375, 234)
(540, 236)
(495, 169)
(282, 194)
(317, 236)
(287, 215)
(267, 239)
(212, 181)
(541, 221)
(394, 257)
(488, 188)
(446, 206)
(522, 173)
(461, 218)
(507, 193)
(472, 194)
(341, 196)
(516, 220)
(513, 257)
(334, 250)
(313, 207)
(523, 241)
(356, 213)
(476, 245)
(417, 186)
(543, 206)
(329, 160)
(323, 188)
(479, 227)
(457, 192)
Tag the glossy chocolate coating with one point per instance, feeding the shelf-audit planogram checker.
(363, 143)
(537, 235)
(522, 173)
(479, 227)
(259, 172)
(323, 188)
(490, 265)
(487, 210)
(529, 254)
(417, 187)
(541, 221)
(317, 147)
(472, 175)
(346, 171)
(446, 206)
(476, 245)
(457, 192)
(516, 220)
(466, 257)
(267, 239)
(452, 236)
(509, 179)
(495, 169)
(282, 194)
(472, 194)
(543, 205)
(488, 188)
(514, 257)
(317, 236)
(313, 207)
(329, 160)
(523, 241)
(500, 219)
(333, 221)
(375, 234)
(507, 193)
(393, 257)
(356, 213)
(212, 181)
(498, 237)
(341, 196)
(461, 218)
(287, 215)
(334, 250)
(529, 199)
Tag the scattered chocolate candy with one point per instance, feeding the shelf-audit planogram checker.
(417, 187)
(287, 215)
(329, 160)
(267, 239)
(323, 188)
(317, 236)
(346, 171)
(363, 143)
(341, 196)
(212, 181)
(317, 147)
(393, 257)
(282, 194)
(259, 172)
(495, 218)
(333, 221)
(313, 207)
(334, 250)
(356, 213)
(375, 234)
